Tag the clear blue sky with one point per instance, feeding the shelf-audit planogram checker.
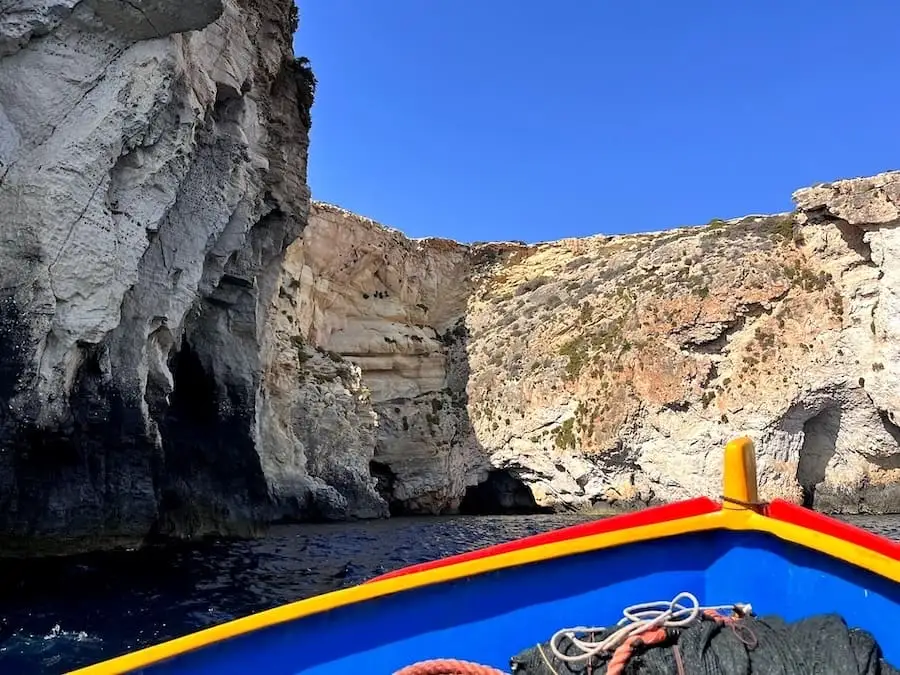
(520, 119)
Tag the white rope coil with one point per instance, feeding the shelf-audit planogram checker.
(636, 619)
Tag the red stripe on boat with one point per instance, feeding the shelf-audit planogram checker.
(796, 515)
(651, 516)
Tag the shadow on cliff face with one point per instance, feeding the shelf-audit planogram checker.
(95, 455)
(819, 445)
(385, 484)
(185, 210)
(500, 494)
(211, 477)
(428, 455)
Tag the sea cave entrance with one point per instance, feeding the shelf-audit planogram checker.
(501, 493)
(819, 444)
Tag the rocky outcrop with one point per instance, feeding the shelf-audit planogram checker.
(608, 370)
(371, 364)
(152, 172)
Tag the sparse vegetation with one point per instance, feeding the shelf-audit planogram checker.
(806, 279)
(578, 262)
(575, 350)
(837, 304)
(810, 281)
(565, 435)
(306, 84)
(779, 226)
(531, 285)
(766, 339)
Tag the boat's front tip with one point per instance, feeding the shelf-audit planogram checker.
(740, 490)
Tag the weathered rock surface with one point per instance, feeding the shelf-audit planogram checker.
(387, 311)
(187, 348)
(614, 369)
(152, 172)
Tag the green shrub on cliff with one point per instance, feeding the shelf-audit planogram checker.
(307, 83)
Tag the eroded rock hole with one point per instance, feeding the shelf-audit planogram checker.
(195, 395)
(385, 479)
(501, 493)
(229, 105)
(211, 478)
(819, 440)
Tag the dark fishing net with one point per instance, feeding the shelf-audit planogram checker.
(821, 644)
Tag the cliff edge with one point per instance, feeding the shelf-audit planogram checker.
(152, 172)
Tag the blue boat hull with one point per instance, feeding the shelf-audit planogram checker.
(490, 617)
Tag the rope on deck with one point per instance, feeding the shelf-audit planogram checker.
(637, 620)
(722, 645)
(448, 667)
(644, 624)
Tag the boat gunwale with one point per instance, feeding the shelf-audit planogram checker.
(657, 514)
(737, 512)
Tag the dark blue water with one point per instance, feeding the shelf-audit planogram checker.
(56, 615)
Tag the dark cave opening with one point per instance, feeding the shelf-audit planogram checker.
(500, 494)
(195, 396)
(819, 445)
(210, 475)
(385, 479)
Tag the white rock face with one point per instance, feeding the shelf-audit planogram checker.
(23, 19)
(152, 171)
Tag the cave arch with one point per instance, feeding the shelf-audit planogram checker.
(500, 493)
(820, 434)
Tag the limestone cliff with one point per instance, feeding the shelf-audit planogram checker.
(152, 172)
(605, 369)
(371, 373)
(187, 348)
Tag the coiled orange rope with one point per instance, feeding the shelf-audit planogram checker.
(448, 667)
(624, 651)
